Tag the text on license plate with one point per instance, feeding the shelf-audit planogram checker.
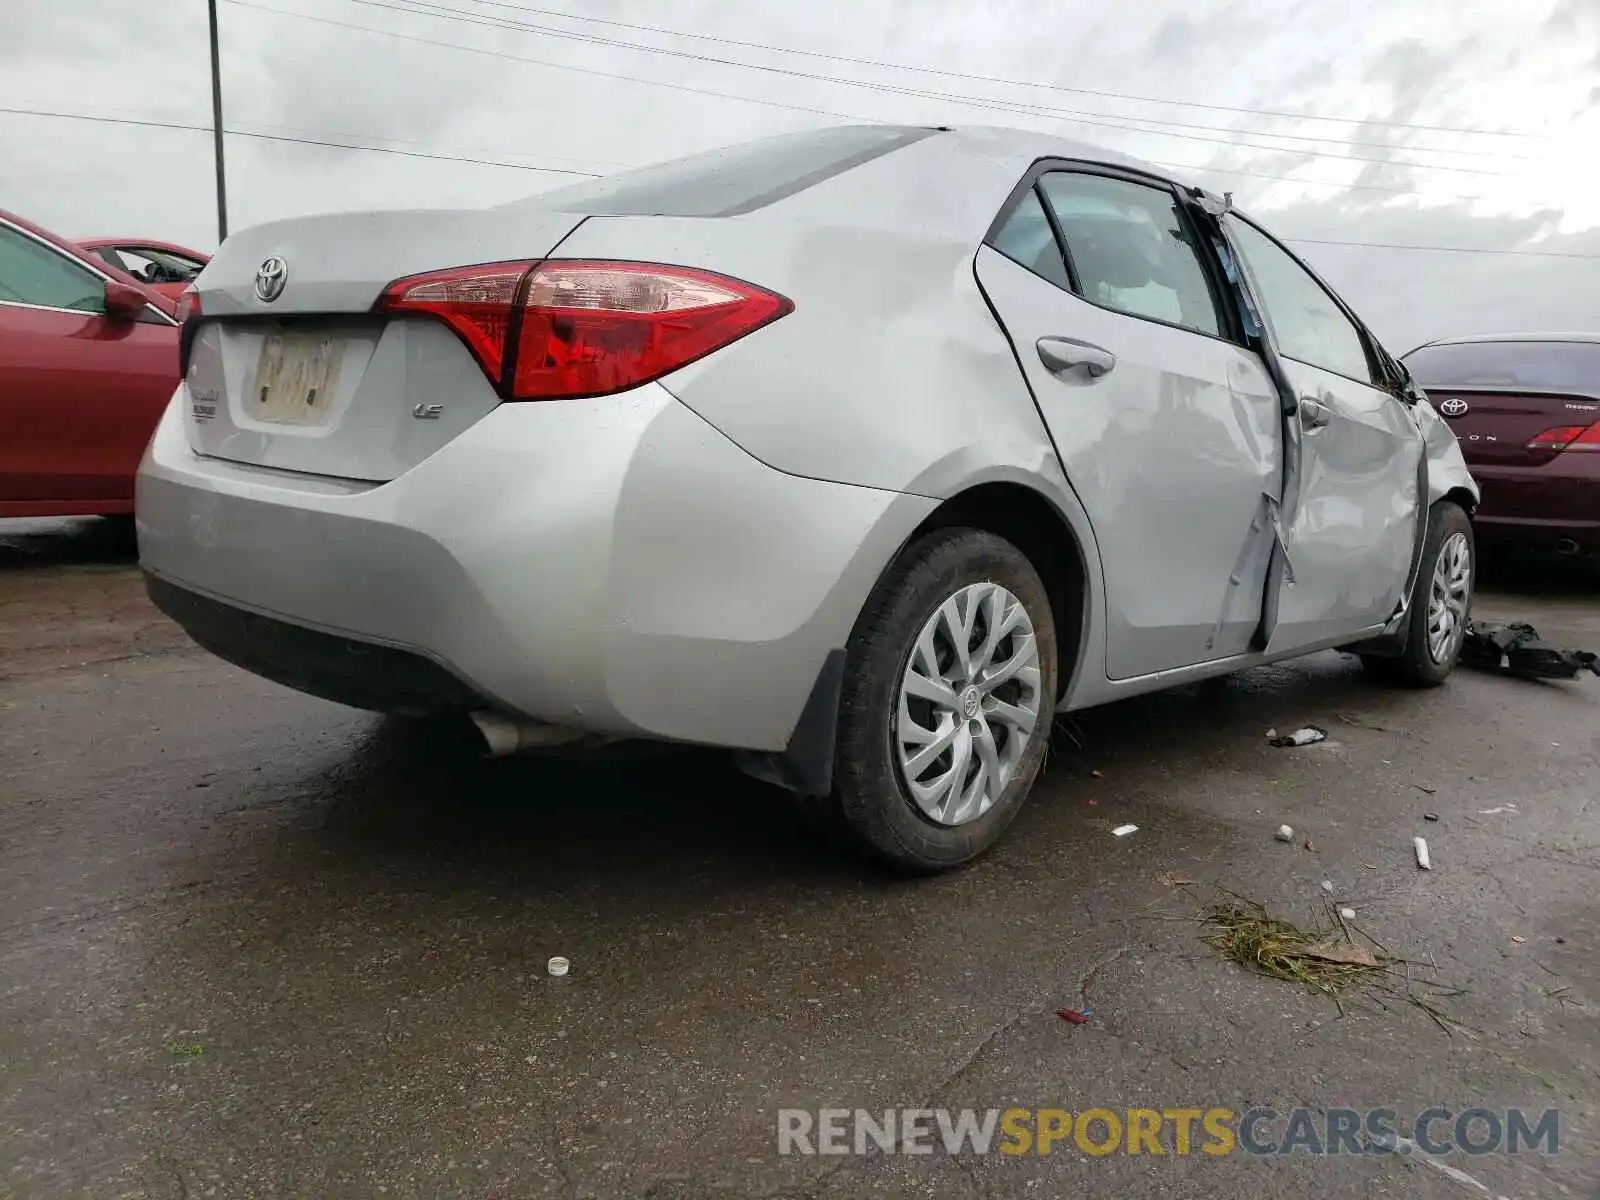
(296, 377)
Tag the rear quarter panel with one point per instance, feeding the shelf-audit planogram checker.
(890, 373)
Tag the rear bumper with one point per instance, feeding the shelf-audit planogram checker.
(1558, 499)
(341, 669)
(615, 566)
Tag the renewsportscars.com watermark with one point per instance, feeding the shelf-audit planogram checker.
(1262, 1132)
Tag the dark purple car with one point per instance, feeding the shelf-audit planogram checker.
(1525, 409)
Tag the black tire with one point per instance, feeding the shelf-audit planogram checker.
(869, 797)
(1417, 667)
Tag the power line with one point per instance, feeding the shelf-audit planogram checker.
(151, 124)
(778, 104)
(1072, 116)
(1443, 249)
(1401, 191)
(558, 66)
(1056, 87)
(748, 99)
(1358, 187)
(297, 141)
(385, 137)
(423, 8)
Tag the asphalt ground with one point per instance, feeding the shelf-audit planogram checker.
(254, 944)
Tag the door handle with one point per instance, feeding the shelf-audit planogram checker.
(1314, 414)
(1061, 354)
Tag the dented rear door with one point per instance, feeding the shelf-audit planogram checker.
(1349, 515)
(1167, 429)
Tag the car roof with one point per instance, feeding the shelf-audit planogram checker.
(990, 161)
(1031, 145)
(136, 243)
(904, 187)
(1480, 338)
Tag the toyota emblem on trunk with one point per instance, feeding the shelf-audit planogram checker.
(1452, 407)
(270, 278)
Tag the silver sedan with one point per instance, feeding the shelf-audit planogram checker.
(859, 452)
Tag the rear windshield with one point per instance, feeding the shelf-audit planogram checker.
(732, 180)
(1536, 366)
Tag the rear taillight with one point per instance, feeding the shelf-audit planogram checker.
(562, 329)
(1568, 437)
(188, 305)
(476, 302)
(188, 317)
(589, 328)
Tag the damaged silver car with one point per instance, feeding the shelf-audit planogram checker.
(859, 452)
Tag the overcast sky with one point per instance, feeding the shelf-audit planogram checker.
(1406, 77)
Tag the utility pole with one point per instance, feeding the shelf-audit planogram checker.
(216, 128)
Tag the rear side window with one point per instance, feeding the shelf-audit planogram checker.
(1131, 250)
(1027, 240)
(33, 273)
(1309, 325)
(109, 256)
(152, 265)
(733, 180)
(1537, 366)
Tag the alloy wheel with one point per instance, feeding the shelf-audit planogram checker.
(1448, 598)
(969, 703)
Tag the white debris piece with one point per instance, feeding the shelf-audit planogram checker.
(1327, 886)
(559, 966)
(1497, 810)
(1349, 914)
(1124, 830)
(1420, 845)
(1300, 737)
(1286, 833)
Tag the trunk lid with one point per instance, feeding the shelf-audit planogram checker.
(1494, 426)
(313, 380)
(1498, 394)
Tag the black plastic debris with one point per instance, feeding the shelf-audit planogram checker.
(1518, 650)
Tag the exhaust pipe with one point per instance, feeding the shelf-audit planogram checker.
(504, 735)
(1567, 547)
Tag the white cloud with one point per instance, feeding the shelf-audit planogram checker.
(1473, 64)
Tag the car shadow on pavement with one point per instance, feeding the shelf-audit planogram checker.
(1506, 566)
(421, 798)
(424, 792)
(30, 543)
(421, 794)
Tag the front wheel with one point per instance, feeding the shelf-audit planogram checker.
(1441, 602)
(948, 699)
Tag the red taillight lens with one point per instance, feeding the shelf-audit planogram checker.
(1589, 439)
(591, 328)
(188, 315)
(557, 330)
(188, 305)
(1568, 437)
(476, 302)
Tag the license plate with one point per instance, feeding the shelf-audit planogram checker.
(295, 378)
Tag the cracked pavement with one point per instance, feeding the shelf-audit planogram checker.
(253, 944)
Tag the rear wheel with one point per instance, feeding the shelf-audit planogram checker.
(948, 698)
(1441, 601)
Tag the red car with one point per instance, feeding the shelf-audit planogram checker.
(164, 266)
(1525, 409)
(88, 361)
